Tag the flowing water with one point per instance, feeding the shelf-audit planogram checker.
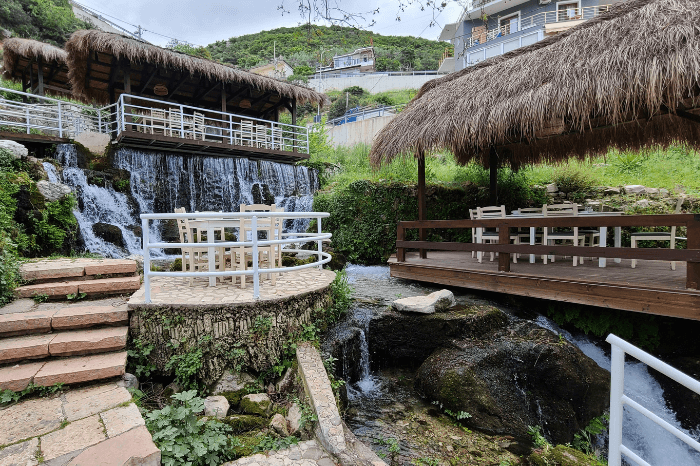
(160, 182)
(379, 392)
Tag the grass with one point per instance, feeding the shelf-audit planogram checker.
(389, 98)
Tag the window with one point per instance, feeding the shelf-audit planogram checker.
(509, 24)
(568, 11)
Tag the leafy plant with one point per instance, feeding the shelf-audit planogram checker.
(9, 396)
(139, 361)
(262, 325)
(75, 296)
(185, 439)
(537, 437)
(186, 366)
(40, 297)
(572, 180)
(272, 443)
(627, 162)
(329, 364)
(459, 415)
(584, 439)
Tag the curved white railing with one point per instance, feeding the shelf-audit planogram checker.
(254, 244)
(618, 399)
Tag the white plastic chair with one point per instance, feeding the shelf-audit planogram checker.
(492, 235)
(659, 236)
(550, 236)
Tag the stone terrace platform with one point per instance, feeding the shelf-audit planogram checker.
(167, 291)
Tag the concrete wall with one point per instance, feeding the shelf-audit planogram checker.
(373, 83)
(358, 132)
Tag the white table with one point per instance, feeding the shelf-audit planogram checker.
(603, 231)
(210, 225)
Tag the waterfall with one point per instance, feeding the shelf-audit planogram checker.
(651, 442)
(161, 182)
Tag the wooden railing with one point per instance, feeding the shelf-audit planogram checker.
(691, 255)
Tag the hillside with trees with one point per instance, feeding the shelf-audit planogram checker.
(302, 46)
(49, 21)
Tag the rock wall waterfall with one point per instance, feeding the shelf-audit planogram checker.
(160, 182)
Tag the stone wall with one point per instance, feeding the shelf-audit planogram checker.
(250, 335)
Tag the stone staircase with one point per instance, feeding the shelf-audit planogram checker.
(67, 342)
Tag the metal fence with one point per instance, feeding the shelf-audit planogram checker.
(234, 218)
(365, 113)
(618, 399)
(339, 74)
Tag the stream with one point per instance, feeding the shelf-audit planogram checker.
(379, 400)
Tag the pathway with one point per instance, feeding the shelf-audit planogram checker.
(308, 453)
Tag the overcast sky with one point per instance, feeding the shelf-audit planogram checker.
(202, 22)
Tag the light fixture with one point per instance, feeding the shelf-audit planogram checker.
(160, 89)
(245, 103)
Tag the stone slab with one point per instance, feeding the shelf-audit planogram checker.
(74, 342)
(110, 285)
(17, 377)
(434, 302)
(51, 269)
(132, 448)
(81, 369)
(22, 323)
(29, 419)
(110, 266)
(18, 306)
(72, 317)
(49, 289)
(22, 454)
(25, 347)
(122, 419)
(95, 401)
(75, 436)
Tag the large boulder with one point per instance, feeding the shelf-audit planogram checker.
(110, 233)
(344, 344)
(407, 339)
(14, 148)
(516, 377)
(233, 386)
(52, 191)
(428, 304)
(216, 406)
(257, 403)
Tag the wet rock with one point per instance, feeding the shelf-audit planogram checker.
(403, 339)
(232, 385)
(129, 381)
(560, 455)
(428, 304)
(136, 229)
(685, 402)
(169, 234)
(14, 148)
(344, 344)
(110, 233)
(244, 422)
(279, 424)
(285, 383)
(262, 194)
(257, 403)
(52, 191)
(514, 377)
(216, 406)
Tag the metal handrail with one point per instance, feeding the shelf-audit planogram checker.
(618, 399)
(366, 113)
(347, 74)
(319, 237)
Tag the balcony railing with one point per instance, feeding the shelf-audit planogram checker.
(537, 20)
(22, 112)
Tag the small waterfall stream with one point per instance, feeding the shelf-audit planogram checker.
(160, 182)
(369, 397)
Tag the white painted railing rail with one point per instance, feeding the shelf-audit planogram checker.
(618, 399)
(254, 244)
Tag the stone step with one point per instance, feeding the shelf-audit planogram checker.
(117, 285)
(83, 316)
(78, 342)
(56, 269)
(22, 323)
(26, 347)
(80, 369)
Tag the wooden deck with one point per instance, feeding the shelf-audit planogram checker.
(651, 288)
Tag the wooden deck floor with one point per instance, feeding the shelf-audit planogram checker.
(652, 287)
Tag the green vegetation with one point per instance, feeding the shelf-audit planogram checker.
(302, 46)
(49, 21)
(9, 396)
(358, 97)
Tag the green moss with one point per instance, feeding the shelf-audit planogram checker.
(244, 422)
(246, 446)
(459, 391)
(234, 397)
(562, 456)
(261, 408)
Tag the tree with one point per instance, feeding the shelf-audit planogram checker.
(50, 21)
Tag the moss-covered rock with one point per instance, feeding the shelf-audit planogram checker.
(561, 456)
(234, 397)
(257, 403)
(244, 422)
(246, 445)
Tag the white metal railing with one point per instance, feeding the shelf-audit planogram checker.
(365, 113)
(540, 19)
(34, 114)
(254, 244)
(340, 74)
(618, 399)
(153, 116)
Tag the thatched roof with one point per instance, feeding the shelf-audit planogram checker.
(609, 82)
(92, 55)
(19, 53)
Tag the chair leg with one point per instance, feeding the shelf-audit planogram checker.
(634, 245)
(515, 256)
(673, 246)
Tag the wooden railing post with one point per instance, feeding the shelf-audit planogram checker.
(503, 257)
(693, 268)
(400, 236)
(422, 214)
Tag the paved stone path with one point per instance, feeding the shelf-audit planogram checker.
(167, 290)
(75, 428)
(307, 453)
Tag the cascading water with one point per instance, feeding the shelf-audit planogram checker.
(160, 182)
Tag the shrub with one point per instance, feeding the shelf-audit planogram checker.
(573, 180)
(6, 159)
(340, 106)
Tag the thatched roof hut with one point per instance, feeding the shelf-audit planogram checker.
(629, 78)
(38, 66)
(103, 65)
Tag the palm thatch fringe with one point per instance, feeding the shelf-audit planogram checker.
(632, 64)
(14, 49)
(83, 43)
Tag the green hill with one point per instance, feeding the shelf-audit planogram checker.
(49, 21)
(302, 45)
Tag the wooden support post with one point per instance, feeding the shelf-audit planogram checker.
(40, 76)
(400, 236)
(223, 97)
(294, 122)
(493, 171)
(127, 90)
(693, 268)
(422, 214)
(503, 257)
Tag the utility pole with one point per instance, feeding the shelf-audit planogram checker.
(138, 32)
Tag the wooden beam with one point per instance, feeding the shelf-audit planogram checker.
(236, 94)
(146, 80)
(223, 97)
(504, 257)
(203, 94)
(693, 242)
(112, 79)
(688, 116)
(179, 85)
(493, 176)
(422, 207)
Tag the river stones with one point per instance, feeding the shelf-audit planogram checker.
(428, 304)
(407, 339)
(514, 377)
